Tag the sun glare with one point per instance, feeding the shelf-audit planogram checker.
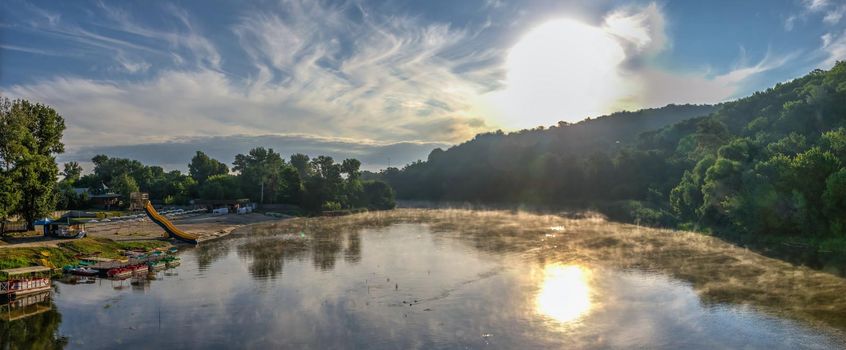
(565, 294)
(560, 70)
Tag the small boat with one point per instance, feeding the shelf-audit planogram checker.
(157, 265)
(82, 271)
(119, 272)
(173, 262)
(139, 269)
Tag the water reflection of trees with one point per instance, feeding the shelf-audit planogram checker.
(31, 326)
(268, 254)
(209, 253)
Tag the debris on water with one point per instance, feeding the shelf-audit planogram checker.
(396, 287)
(427, 309)
(486, 335)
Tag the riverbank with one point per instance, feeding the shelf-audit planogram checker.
(206, 226)
(67, 251)
(109, 240)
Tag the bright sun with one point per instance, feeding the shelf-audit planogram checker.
(560, 70)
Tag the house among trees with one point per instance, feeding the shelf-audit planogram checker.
(100, 197)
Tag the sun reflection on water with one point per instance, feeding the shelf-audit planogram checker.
(565, 294)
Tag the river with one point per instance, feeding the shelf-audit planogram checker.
(450, 279)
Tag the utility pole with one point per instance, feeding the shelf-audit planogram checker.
(262, 192)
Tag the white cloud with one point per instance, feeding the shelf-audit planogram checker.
(815, 5)
(391, 84)
(132, 66)
(339, 71)
(790, 22)
(833, 48)
(834, 16)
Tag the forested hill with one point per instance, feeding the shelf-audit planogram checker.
(770, 163)
(528, 161)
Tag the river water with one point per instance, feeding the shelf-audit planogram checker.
(399, 285)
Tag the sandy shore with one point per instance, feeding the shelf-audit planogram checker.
(207, 226)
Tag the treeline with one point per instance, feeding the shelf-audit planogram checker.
(769, 164)
(31, 138)
(587, 161)
(261, 175)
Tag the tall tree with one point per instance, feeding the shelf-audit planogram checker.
(30, 137)
(260, 173)
(300, 162)
(202, 167)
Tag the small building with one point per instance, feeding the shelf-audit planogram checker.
(137, 200)
(105, 201)
(64, 228)
(232, 205)
(100, 196)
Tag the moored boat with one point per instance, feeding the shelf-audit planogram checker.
(24, 280)
(139, 269)
(173, 262)
(157, 265)
(82, 271)
(119, 272)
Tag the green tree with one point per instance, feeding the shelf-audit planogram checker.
(834, 202)
(30, 137)
(124, 184)
(10, 196)
(301, 162)
(222, 186)
(379, 195)
(202, 167)
(260, 172)
(72, 172)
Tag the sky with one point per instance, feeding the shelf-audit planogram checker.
(385, 81)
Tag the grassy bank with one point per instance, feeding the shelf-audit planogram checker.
(67, 251)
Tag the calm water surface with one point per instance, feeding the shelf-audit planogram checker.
(400, 286)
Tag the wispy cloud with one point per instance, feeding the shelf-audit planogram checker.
(834, 16)
(31, 50)
(833, 49)
(316, 71)
(334, 70)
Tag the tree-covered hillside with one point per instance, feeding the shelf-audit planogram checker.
(542, 165)
(770, 163)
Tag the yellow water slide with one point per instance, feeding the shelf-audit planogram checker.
(166, 225)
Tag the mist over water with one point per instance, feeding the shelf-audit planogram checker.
(458, 279)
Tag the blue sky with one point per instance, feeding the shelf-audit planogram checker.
(366, 76)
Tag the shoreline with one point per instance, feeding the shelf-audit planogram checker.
(109, 240)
